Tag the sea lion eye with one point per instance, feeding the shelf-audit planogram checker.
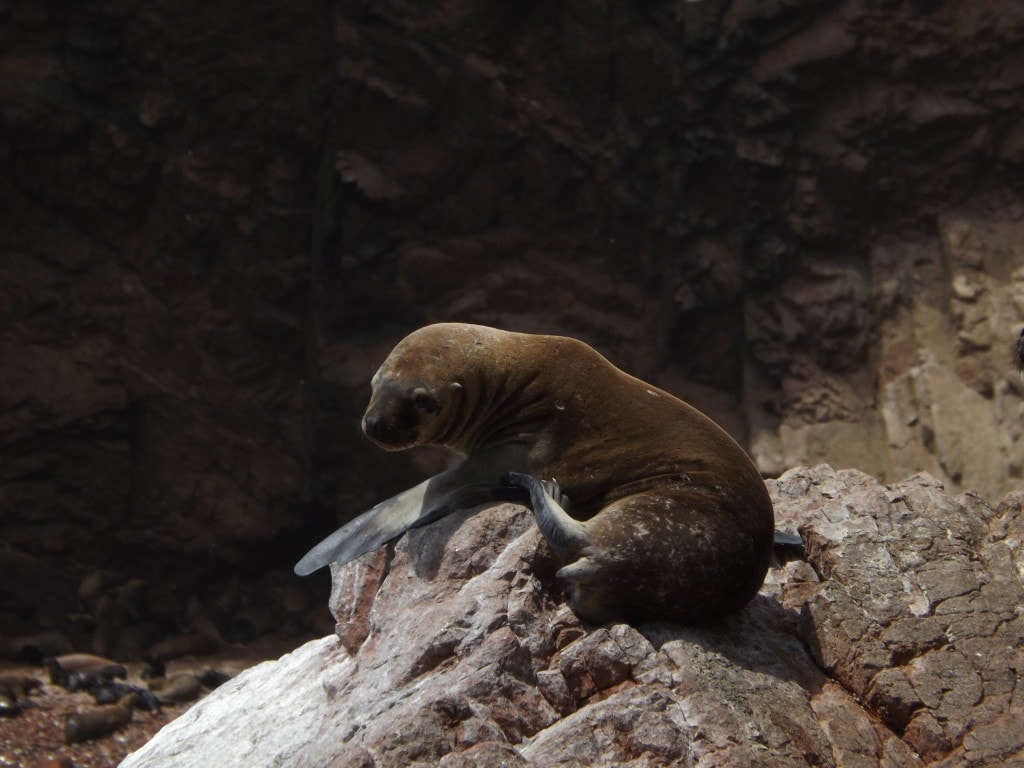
(424, 402)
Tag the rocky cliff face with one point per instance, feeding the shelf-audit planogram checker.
(154, 281)
(803, 216)
(898, 642)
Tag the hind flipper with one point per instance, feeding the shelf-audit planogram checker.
(784, 539)
(567, 536)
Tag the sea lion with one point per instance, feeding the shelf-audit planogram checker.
(670, 518)
(176, 689)
(15, 688)
(9, 707)
(78, 671)
(86, 663)
(113, 692)
(204, 640)
(1018, 352)
(96, 723)
(18, 685)
(212, 678)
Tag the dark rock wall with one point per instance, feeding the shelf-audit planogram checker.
(804, 216)
(159, 168)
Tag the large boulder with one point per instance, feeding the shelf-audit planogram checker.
(898, 642)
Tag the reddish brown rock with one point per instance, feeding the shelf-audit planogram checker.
(894, 644)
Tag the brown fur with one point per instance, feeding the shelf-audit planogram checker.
(65, 669)
(17, 686)
(677, 515)
(97, 723)
(84, 662)
(176, 689)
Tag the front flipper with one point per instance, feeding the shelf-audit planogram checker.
(567, 536)
(430, 500)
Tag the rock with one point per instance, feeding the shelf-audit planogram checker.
(94, 253)
(34, 648)
(276, 701)
(894, 644)
(918, 615)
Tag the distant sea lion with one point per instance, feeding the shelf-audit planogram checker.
(112, 693)
(18, 685)
(1018, 352)
(213, 678)
(99, 722)
(176, 689)
(670, 518)
(78, 671)
(201, 642)
(9, 707)
(86, 663)
(15, 688)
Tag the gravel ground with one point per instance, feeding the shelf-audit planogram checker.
(35, 738)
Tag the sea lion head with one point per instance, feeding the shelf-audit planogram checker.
(417, 391)
(403, 414)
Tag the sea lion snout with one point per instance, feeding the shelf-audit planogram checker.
(388, 434)
(373, 426)
(400, 416)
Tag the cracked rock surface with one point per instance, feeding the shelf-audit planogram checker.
(898, 642)
(919, 611)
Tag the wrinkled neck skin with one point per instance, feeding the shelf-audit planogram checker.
(494, 409)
